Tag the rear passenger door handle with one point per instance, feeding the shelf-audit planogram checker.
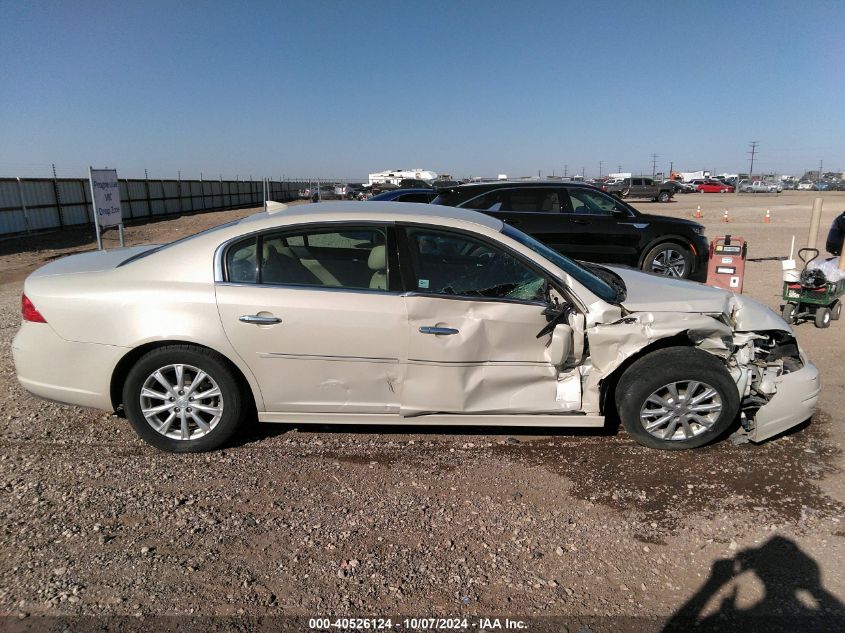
(255, 319)
(430, 329)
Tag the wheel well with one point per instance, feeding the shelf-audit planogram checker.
(125, 364)
(607, 401)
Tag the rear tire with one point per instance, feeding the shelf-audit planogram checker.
(163, 383)
(664, 196)
(836, 310)
(704, 405)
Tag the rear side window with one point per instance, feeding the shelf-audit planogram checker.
(353, 258)
(527, 200)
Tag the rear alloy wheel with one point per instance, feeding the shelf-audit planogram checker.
(182, 398)
(677, 398)
(669, 259)
(663, 196)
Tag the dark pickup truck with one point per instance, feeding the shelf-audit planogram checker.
(641, 188)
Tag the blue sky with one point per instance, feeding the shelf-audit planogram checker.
(340, 89)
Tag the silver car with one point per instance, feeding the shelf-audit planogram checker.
(400, 313)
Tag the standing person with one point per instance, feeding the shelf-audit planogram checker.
(836, 235)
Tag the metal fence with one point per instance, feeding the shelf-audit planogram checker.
(37, 204)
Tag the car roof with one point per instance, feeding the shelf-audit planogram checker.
(523, 183)
(381, 210)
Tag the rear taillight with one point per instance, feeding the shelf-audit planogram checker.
(29, 312)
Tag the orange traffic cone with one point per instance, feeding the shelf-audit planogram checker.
(698, 215)
(768, 218)
(725, 217)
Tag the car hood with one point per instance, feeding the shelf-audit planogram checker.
(645, 217)
(653, 293)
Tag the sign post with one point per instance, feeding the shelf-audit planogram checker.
(105, 197)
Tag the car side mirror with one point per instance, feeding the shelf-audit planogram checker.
(560, 347)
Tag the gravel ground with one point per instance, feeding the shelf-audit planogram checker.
(319, 521)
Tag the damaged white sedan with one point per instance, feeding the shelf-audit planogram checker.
(398, 313)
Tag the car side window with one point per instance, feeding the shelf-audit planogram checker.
(452, 264)
(415, 197)
(348, 257)
(490, 201)
(528, 200)
(587, 202)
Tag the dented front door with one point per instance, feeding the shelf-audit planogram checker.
(476, 357)
(474, 312)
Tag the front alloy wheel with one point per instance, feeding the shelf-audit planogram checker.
(681, 410)
(676, 398)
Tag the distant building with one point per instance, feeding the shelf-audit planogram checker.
(395, 176)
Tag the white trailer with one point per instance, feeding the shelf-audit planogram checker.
(395, 176)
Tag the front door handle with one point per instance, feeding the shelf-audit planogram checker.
(256, 319)
(430, 329)
(579, 221)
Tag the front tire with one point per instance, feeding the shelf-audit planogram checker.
(183, 399)
(669, 259)
(664, 196)
(788, 313)
(676, 398)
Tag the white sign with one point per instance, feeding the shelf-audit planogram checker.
(106, 193)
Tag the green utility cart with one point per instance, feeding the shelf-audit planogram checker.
(821, 304)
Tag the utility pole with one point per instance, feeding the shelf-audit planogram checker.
(619, 169)
(818, 182)
(601, 162)
(753, 152)
(653, 165)
(565, 170)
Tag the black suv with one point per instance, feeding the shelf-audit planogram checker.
(585, 223)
